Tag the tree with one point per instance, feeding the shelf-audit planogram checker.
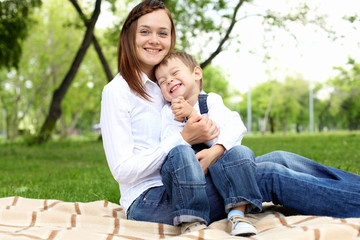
(261, 105)
(212, 18)
(214, 81)
(287, 103)
(280, 105)
(47, 52)
(55, 106)
(345, 98)
(95, 42)
(15, 22)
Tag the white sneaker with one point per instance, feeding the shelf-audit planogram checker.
(241, 227)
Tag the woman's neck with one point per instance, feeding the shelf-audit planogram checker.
(150, 74)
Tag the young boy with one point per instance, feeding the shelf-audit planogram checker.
(180, 79)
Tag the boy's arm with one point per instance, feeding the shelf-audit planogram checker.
(232, 131)
(169, 126)
(182, 109)
(231, 126)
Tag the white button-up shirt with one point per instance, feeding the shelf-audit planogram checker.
(232, 128)
(131, 132)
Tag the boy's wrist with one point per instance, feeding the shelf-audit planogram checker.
(192, 112)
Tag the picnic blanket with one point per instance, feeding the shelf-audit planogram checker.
(24, 218)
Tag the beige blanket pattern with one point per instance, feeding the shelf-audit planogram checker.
(36, 219)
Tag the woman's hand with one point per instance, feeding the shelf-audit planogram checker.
(199, 129)
(208, 157)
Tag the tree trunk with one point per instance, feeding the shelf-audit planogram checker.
(97, 46)
(272, 124)
(267, 112)
(59, 94)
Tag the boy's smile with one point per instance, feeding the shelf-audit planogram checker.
(176, 79)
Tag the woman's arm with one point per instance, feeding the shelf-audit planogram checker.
(130, 153)
(199, 129)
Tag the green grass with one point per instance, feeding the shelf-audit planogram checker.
(339, 150)
(69, 171)
(78, 171)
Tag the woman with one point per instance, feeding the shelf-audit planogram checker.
(130, 117)
(130, 112)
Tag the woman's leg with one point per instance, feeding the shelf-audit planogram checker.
(307, 186)
(302, 164)
(154, 205)
(234, 176)
(185, 183)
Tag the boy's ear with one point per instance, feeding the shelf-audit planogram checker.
(198, 73)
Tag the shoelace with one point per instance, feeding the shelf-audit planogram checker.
(235, 220)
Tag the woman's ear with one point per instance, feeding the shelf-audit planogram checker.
(198, 73)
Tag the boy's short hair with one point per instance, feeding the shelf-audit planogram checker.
(186, 58)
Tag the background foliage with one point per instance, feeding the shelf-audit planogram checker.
(48, 35)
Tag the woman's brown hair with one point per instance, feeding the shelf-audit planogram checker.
(128, 63)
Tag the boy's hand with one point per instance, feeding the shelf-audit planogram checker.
(208, 157)
(181, 109)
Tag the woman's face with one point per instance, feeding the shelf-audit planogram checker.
(153, 39)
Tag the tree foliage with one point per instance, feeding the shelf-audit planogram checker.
(279, 106)
(345, 98)
(15, 22)
(46, 65)
(48, 50)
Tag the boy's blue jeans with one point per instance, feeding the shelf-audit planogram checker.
(282, 177)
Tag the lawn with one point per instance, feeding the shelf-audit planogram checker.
(77, 170)
(338, 150)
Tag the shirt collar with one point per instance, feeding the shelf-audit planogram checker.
(146, 79)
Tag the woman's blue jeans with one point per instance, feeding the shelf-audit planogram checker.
(282, 177)
(306, 186)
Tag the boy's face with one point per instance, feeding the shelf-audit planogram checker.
(176, 79)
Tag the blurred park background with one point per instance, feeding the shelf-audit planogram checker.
(56, 56)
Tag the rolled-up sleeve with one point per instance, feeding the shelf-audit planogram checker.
(232, 128)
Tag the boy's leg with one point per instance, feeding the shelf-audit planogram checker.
(234, 175)
(185, 183)
(307, 186)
